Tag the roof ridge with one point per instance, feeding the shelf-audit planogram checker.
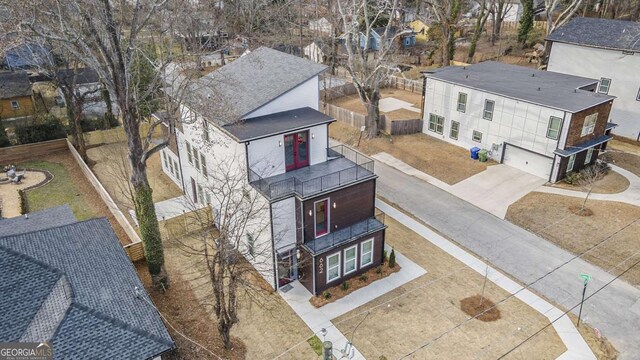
(98, 219)
(119, 323)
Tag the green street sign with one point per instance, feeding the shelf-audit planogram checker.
(586, 278)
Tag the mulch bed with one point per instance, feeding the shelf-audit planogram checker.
(475, 305)
(184, 312)
(354, 284)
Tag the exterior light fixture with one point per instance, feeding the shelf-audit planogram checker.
(310, 213)
(298, 254)
(313, 136)
(279, 143)
(334, 204)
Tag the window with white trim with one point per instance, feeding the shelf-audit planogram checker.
(587, 159)
(572, 161)
(603, 87)
(489, 105)
(170, 167)
(333, 267)
(553, 130)
(189, 156)
(205, 130)
(638, 96)
(476, 136)
(196, 159)
(164, 160)
(462, 102)
(589, 124)
(200, 193)
(455, 129)
(436, 123)
(350, 259)
(203, 165)
(175, 165)
(366, 253)
(251, 245)
(15, 105)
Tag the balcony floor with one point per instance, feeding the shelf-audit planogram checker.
(344, 235)
(316, 178)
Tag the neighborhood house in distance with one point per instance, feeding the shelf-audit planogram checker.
(609, 51)
(541, 122)
(260, 112)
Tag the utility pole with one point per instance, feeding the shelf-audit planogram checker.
(585, 281)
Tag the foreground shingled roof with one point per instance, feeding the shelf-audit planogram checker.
(75, 286)
(48, 218)
(599, 33)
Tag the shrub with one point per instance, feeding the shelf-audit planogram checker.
(384, 255)
(572, 178)
(364, 277)
(4, 138)
(326, 294)
(345, 286)
(24, 202)
(47, 128)
(316, 344)
(392, 259)
(379, 269)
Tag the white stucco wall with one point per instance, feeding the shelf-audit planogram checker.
(283, 215)
(622, 69)
(266, 155)
(515, 122)
(305, 94)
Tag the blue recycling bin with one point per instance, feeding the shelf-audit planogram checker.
(474, 152)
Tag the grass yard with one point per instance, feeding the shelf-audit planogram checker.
(267, 327)
(69, 186)
(429, 306)
(432, 156)
(576, 234)
(611, 183)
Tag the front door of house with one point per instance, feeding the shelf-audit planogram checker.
(296, 150)
(287, 267)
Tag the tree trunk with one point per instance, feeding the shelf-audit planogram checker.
(636, 12)
(78, 133)
(478, 31)
(373, 115)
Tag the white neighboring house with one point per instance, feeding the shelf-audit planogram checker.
(260, 114)
(315, 52)
(321, 27)
(607, 50)
(541, 122)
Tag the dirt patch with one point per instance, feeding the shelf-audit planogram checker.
(423, 309)
(578, 210)
(624, 144)
(358, 282)
(611, 183)
(69, 186)
(9, 196)
(180, 308)
(480, 307)
(353, 103)
(624, 160)
(552, 217)
(601, 347)
(432, 156)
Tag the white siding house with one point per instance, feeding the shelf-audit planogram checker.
(258, 119)
(609, 51)
(521, 116)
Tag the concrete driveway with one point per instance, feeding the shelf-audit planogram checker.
(494, 189)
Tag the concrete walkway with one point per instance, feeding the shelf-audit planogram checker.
(577, 348)
(630, 196)
(320, 318)
(492, 190)
(552, 271)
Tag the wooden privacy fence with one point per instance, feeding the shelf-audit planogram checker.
(134, 250)
(393, 127)
(514, 25)
(414, 86)
(337, 91)
(29, 151)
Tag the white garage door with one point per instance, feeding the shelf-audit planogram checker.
(524, 160)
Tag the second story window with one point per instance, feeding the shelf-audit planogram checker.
(603, 87)
(205, 130)
(196, 159)
(553, 130)
(321, 217)
(203, 165)
(489, 105)
(589, 124)
(462, 102)
(189, 155)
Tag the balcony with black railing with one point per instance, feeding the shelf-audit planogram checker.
(343, 166)
(345, 235)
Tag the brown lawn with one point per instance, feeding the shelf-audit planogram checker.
(353, 103)
(575, 233)
(625, 160)
(437, 158)
(611, 183)
(423, 309)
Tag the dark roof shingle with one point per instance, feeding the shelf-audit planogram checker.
(14, 84)
(48, 218)
(599, 33)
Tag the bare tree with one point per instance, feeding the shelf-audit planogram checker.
(499, 10)
(570, 8)
(481, 20)
(107, 37)
(447, 13)
(367, 67)
(589, 176)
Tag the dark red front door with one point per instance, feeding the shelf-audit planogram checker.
(296, 150)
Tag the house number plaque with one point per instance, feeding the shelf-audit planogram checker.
(321, 266)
